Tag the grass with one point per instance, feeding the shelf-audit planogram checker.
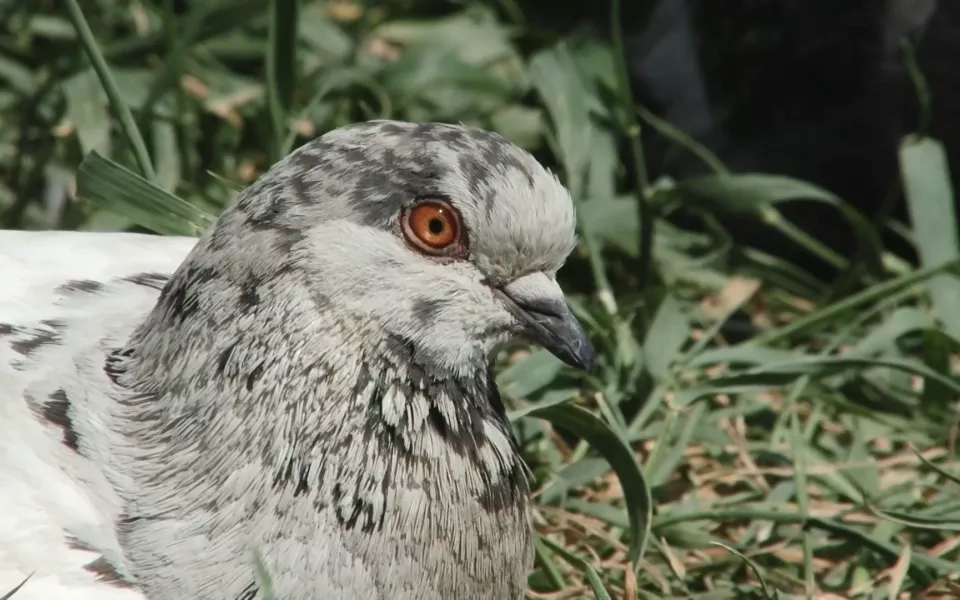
(813, 458)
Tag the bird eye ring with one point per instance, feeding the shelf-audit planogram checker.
(433, 227)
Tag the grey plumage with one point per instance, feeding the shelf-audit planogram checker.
(307, 384)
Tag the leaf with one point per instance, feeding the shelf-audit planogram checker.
(522, 125)
(884, 337)
(614, 221)
(850, 303)
(603, 165)
(263, 578)
(110, 186)
(898, 573)
(767, 592)
(474, 36)
(667, 334)
(954, 478)
(281, 69)
(225, 16)
(557, 81)
(596, 60)
(166, 155)
(450, 84)
(742, 354)
(749, 192)
(530, 374)
(52, 27)
(325, 38)
(593, 579)
(17, 75)
(333, 79)
(838, 528)
(549, 398)
(572, 476)
(930, 200)
(133, 88)
(914, 522)
(87, 109)
(755, 194)
(822, 366)
(621, 458)
(550, 569)
(938, 349)
(127, 123)
(688, 396)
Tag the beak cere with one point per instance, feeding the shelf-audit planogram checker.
(538, 304)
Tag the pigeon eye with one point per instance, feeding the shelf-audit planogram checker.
(432, 227)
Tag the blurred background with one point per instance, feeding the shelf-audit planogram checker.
(767, 259)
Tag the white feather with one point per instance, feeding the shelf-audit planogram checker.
(48, 493)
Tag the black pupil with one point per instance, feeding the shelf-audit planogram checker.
(437, 226)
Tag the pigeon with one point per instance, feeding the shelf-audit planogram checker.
(299, 404)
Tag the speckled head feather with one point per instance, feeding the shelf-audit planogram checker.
(311, 385)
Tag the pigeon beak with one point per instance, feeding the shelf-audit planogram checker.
(538, 303)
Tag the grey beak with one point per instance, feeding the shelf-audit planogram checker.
(538, 303)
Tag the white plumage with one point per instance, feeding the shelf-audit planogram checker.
(43, 496)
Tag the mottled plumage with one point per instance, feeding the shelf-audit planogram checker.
(300, 380)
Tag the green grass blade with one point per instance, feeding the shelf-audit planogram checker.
(180, 40)
(757, 194)
(937, 351)
(224, 17)
(281, 69)
(122, 111)
(823, 366)
(950, 476)
(87, 108)
(618, 453)
(930, 200)
(646, 212)
(850, 303)
(920, 566)
(557, 79)
(108, 185)
(264, 580)
(530, 374)
(667, 333)
(19, 77)
(683, 139)
(544, 558)
(593, 579)
(942, 525)
(767, 592)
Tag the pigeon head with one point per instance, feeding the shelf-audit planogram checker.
(444, 237)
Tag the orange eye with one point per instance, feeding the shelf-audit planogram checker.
(432, 226)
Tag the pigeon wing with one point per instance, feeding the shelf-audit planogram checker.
(66, 298)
